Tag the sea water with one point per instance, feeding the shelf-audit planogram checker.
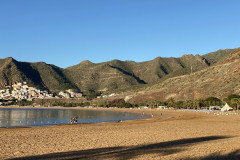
(26, 117)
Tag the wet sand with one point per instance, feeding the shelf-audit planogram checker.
(168, 135)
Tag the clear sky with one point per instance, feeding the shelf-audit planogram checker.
(66, 32)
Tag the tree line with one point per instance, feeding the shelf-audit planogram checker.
(233, 100)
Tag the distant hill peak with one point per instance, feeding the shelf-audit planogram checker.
(157, 58)
(86, 62)
(10, 59)
(187, 56)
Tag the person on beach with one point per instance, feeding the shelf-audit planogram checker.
(73, 120)
(142, 114)
(76, 119)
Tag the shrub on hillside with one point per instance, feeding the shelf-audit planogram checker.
(119, 103)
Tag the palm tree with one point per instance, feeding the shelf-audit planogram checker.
(198, 103)
(226, 100)
(170, 102)
(188, 104)
(237, 102)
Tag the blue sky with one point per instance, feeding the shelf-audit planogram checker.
(66, 32)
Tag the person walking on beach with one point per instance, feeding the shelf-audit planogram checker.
(142, 114)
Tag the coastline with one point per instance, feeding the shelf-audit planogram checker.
(178, 136)
(138, 112)
(134, 113)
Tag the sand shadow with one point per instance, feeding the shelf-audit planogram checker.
(235, 155)
(124, 153)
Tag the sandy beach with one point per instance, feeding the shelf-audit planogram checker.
(168, 135)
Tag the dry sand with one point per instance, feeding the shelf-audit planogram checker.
(172, 135)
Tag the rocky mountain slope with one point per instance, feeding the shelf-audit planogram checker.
(109, 76)
(115, 75)
(219, 80)
(40, 75)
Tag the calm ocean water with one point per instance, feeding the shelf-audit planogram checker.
(10, 117)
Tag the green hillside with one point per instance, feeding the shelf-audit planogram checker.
(109, 76)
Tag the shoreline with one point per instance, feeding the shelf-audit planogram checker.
(136, 111)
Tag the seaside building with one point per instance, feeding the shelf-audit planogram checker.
(21, 91)
(70, 93)
(64, 94)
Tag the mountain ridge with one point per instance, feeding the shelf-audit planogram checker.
(111, 76)
(219, 80)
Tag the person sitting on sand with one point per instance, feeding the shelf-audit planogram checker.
(74, 120)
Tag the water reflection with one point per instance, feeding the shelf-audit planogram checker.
(42, 117)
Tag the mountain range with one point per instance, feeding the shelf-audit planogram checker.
(187, 77)
(218, 80)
